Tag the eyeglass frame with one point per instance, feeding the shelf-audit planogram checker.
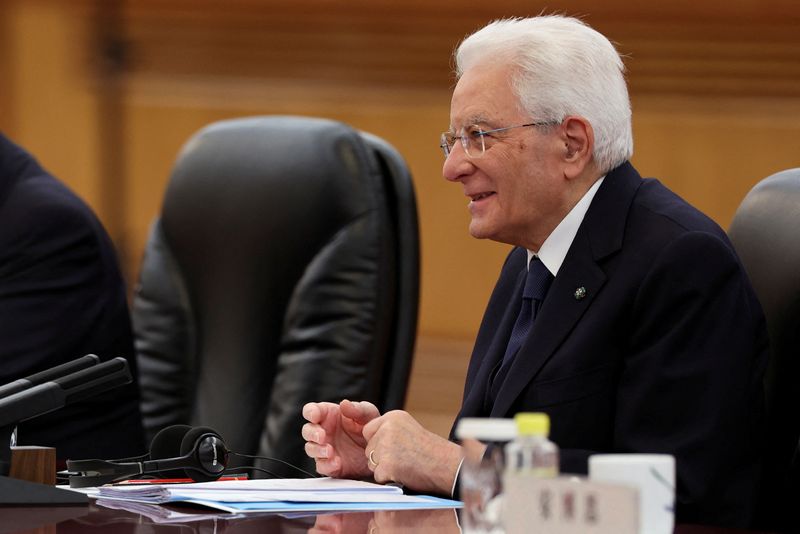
(447, 148)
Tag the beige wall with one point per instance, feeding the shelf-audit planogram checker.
(106, 92)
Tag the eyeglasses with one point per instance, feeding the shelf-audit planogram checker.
(473, 138)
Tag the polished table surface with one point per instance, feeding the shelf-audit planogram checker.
(95, 518)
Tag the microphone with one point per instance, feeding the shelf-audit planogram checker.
(44, 392)
(48, 374)
(58, 392)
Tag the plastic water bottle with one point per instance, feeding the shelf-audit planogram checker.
(531, 453)
(481, 476)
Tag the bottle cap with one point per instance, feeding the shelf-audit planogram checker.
(486, 429)
(532, 424)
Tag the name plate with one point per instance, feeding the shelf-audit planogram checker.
(568, 505)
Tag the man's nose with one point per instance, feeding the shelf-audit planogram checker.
(457, 164)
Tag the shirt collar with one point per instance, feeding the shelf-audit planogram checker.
(555, 247)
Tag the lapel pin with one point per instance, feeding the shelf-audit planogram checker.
(580, 293)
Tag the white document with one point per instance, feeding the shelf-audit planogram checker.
(260, 490)
(277, 495)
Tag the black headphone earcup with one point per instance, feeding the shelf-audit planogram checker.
(167, 443)
(203, 468)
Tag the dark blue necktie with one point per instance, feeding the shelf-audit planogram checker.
(536, 285)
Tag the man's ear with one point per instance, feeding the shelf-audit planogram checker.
(578, 138)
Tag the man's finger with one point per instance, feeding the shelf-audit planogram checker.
(311, 412)
(313, 432)
(316, 412)
(361, 412)
(371, 428)
(328, 467)
(317, 451)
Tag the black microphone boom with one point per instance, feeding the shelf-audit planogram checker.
(48, 374)
(57, 393)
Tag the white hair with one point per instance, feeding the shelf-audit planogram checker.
(563, 67)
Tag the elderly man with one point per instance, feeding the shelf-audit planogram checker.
(622, 311)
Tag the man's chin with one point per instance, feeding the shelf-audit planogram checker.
(479, 231)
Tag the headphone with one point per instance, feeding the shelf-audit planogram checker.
(199, 453)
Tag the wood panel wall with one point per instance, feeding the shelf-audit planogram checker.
(106, 91)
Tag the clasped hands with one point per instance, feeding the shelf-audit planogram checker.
(353, 440)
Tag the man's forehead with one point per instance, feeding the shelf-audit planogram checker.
(478, 115)
(483, 109)
(483, 94)
(475, 118)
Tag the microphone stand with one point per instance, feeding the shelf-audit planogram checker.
(14, 492)
(5, 449)
(31, 398)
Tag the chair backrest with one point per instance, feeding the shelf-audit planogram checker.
(284, 268)
(766, 234)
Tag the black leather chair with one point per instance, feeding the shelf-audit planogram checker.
(284, 268)
(766, 234)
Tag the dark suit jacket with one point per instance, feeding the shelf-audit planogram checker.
(664, 354)
(62, 296)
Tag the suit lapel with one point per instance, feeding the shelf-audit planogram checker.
(473, 404)
(559, 314)
(599, 236)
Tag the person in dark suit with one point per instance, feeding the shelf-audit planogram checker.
(62, 296)
(622, 311)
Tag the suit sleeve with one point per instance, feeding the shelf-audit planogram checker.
(49, 275)
(689, 384)
(62, 296)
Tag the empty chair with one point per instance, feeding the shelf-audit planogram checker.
(284, 268)
(766, 234)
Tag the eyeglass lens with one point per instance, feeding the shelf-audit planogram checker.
(471, 138)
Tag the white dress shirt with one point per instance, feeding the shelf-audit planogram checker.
(555, 247)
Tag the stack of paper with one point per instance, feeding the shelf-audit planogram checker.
(158, 513)
(278, 495)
